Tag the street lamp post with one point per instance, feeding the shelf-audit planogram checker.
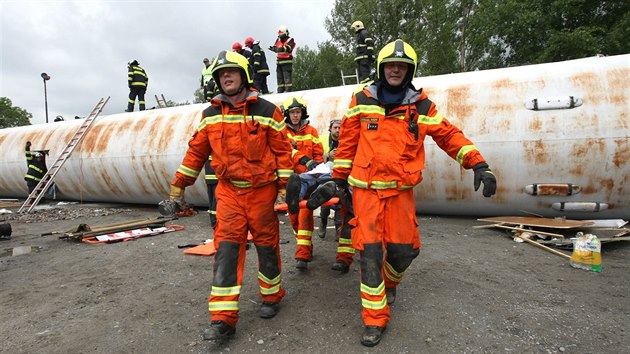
(46, 78)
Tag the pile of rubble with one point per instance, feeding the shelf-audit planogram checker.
(43, 215)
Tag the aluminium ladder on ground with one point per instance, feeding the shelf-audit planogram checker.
(36, 195)
(161, 102)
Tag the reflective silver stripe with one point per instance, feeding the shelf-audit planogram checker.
(188, 171)
(225, 291)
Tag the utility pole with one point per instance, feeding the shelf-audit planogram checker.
(46, 78)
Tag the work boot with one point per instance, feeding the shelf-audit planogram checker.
(218, 330)
(293, 193)
(341, 267)
(321, 195)
(301, 264)
(128, 110)
(269, 309)
(321, 232)
(372, 335)
(390, 294)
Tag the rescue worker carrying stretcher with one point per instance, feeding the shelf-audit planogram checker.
(381, 155)
(307, 153)
(251, 157)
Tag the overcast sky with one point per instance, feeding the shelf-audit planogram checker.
(85, 45)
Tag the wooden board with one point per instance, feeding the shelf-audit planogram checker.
(552, 223)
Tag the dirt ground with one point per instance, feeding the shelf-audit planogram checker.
(470, 290)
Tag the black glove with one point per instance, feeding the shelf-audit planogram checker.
(308, 162)
(273, 48)
(485, 175)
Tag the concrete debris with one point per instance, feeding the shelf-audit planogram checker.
(65, 214)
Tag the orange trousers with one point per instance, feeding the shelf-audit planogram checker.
(302, 224)
(386, 235)
(240, 210)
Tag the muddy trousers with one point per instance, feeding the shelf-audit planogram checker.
(345, 251)
(302, 224)
(284, 76)
(133, 93)
(240, 210)
(386, 235)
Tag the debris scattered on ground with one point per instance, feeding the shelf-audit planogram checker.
(45, 215)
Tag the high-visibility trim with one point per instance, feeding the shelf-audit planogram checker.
(383, 184)
(293, 152)
(305, 137)
(138, 84)
(463, 151)
(33, 177)
(304, 242)
(211, 177)
(212, 212)
(186, 171)
(223, 306)
(225, 290)
(270, 291)
(402, 188)
(374, 305)
(36, 168)
(437, 119)
(283, 173)
(241, 184)
(285, 61)
(365, 109)
(305, 233)
(342, 163)
(357, 182)
(392, 274)
(266, 280)
(239, 118)
(378, 291)
(345, 241)
(341, 249)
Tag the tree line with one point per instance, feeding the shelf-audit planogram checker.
(466, 35)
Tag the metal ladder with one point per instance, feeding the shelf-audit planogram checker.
(353, 76)
(33, 199)
(161, 102)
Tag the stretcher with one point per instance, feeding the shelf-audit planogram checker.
(131, 234)
(285, 207)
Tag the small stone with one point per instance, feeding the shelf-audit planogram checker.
(260, 341)
(561, 349)
(428, 340)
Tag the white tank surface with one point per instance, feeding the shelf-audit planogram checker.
(552, 133)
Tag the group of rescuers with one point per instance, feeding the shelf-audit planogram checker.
(256, 148)
(138, 80)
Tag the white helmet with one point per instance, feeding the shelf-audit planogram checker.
(357, 26)
(283, 30)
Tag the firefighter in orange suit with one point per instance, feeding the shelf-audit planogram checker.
(251, 156)
(308, 152)
(284, 59)
(381, 155)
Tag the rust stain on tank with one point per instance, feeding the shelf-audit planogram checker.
(535, 125)
(458, 106)
(622, 152)
(535, 152)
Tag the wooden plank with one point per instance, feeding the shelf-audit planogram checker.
(552, 223)
(542, 233)
(548, 249)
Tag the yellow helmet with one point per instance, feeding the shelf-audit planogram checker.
(227, 59)
(357, 26)
(397, 51)
(291, 103)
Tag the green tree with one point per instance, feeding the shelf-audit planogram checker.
(12, 116)
(198, 96)
(320, 67)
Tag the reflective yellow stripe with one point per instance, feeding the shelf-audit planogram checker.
(36, 168)
(373, 291)
(211, 177)
(405, 187)
(188, 171)
(223, 306)
(374, 305)
(463, 151)
(270, 291)
(225, 291)
(365, 109)
(33, 178)
(304, 233)
(430, 120)
(304, 242)
(273, 281)
(239, 118)
(342, 163)
(241, 184)
(282, 173)
(357, 182)
(383, 184)
(212, 212)
(306, 137)
(345, 241)
(345, 249)
(391, 274)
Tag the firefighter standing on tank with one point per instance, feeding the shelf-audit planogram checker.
(206, 77)
(284, 59)
(381, 155)
(251, 156)
(258, 61)
(308, 152)
(138, 82)
(365, 52)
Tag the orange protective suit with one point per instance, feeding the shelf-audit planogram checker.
(251, 156)
(381, 154)
(306, 143)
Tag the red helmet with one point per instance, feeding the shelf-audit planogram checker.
(237, 47)
(249, 41)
